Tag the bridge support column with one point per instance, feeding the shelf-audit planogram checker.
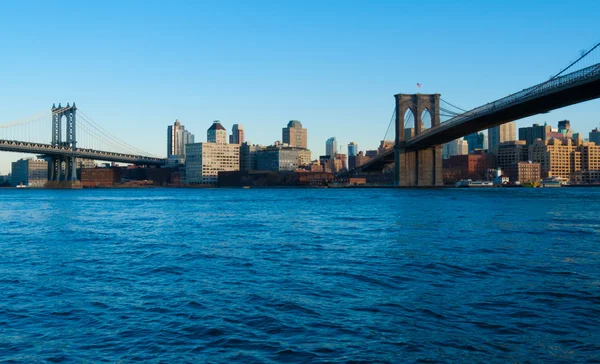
(416, 168)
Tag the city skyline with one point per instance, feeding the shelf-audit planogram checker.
(141, 87)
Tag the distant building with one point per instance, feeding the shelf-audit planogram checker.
(524, 172)
(500, 134)
(352, 149)
(29, 172)
(216, 133)
(248, 156)
(545, 132)
(294, 135)
(510, 153)
(281, 158)
(557, 159)
(595, 136)
(473, 166)
(237, 134)
(385, 145)
(205, 160)
(177, 138)
(360, 159)
(331, 147)
(343, 159)
(476, 141)
(455, 147)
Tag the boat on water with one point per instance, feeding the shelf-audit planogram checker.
(554, 182)
(21, 186)
(470, 183)
(533, 184)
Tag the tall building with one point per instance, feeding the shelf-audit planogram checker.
(294, 135)
(177, 138)
(510, 153)
(216, 133)
(29, 172)
(500, 134)
(544, 132)
(352, 149)
(237, 134)
(476, 141)
(331, 147)
(595, 136)
(564, 126)
(455, 147)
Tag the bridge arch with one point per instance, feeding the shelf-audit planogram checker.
(409, 123)
(426, 120)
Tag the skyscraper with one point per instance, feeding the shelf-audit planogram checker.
(294, 135)
(331, 147)
(352, 149)
(237, 134)
(177, 138)
(216, 133)
(455, 147)
(595, 136)
(476, 141)
(500, 134)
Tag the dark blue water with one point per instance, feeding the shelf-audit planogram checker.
(300, 275)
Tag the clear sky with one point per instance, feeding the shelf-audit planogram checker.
(136, 66)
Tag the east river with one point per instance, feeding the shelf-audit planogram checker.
(300, 275)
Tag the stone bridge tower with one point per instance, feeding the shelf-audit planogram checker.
(416, 168)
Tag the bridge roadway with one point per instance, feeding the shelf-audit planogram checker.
(572, 88)
(48, 149)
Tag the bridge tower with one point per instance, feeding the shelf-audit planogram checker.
(56, 172)
(416, 168)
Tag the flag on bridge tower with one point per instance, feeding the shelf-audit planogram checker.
(418, 85)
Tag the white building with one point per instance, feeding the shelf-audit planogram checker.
(204, 161)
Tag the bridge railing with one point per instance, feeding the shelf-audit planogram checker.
(518, 97)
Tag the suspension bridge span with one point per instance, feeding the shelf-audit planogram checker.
(73, 135)
(417, 152)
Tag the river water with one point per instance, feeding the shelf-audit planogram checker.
(300, 275)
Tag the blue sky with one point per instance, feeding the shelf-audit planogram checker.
(137, 66)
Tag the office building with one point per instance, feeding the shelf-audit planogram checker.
(476, 141)
(500, 134)
(204, 161)
(352, 149)
(177, 138)
(474, 166)
(595, 136)
(510, 153)
(294, 135)
(455, 147)
(29, 172)
(237, 134)
(216, 133)
(524, 172)
(273, 158)
(331, 147)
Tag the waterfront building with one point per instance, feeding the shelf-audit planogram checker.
(294, 135)
(510, 153)
(455, 147)
(248, 156)
(595, 136)
(500, 134)
(476, 141)
(557, 159)
(468, 166)
(177, 138)
(334, 165)
(205, 160)
(331, 147)
(524, 172)
(237, 134)
(352, 149)
(29, 172)
(280, 159)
